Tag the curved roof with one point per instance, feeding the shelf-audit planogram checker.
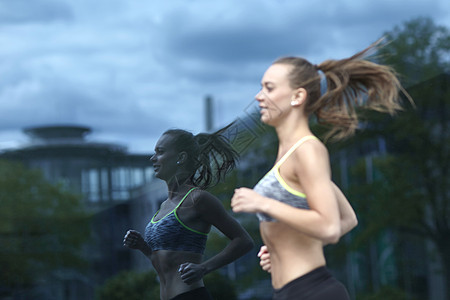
(57, 132)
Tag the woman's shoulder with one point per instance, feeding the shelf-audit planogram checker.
(204, 200)
(311, 160)
(201, 195)
(310, 150)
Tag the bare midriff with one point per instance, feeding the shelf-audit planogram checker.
(292, 253)
(167, 263)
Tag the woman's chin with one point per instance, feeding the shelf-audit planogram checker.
(157, 175)
(266, 119)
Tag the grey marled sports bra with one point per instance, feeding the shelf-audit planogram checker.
(273, 186)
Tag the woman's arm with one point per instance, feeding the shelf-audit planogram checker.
(347, 214)
(311, 166)
(212, 211)
(348, 222)
(134, 240)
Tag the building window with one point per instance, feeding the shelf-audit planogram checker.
(120, 183)
(90, 184)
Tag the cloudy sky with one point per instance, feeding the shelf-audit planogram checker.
(131, 69)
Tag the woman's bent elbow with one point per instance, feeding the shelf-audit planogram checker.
(334, 239)
(352, 223)
(355, 222)
(249, 244)
(332, 235)
(245, 244)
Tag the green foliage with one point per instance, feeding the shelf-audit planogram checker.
(408, 189)
(216, 242)
(220, 287)
(416, 171)
(381, 203)
(42, 226)
(387, 293)
(130, 285)
(418, 50)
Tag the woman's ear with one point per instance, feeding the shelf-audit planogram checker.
(299, 97)
(182, 157)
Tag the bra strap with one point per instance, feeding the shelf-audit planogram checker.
(185, 197)
(294, 147)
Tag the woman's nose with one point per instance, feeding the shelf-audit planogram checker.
(259, 96)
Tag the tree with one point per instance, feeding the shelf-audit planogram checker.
(409, 193)
(418, 50)
(220, 287)
(386, 293)
(130, 285)
(42, 228)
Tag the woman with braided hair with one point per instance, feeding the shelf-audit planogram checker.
(299, 208)
(175, 237)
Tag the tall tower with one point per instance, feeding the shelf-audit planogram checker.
(209, 120)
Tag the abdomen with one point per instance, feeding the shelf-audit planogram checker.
(292, 253)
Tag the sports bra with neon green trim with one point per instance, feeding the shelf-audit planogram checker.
(273, 186)
(170, 233)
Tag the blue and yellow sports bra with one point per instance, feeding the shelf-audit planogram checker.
(273, 186)
(170, 233)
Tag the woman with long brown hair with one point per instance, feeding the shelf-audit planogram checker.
(299, 207)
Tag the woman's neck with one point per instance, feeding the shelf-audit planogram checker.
(178, 185)
(290, 131)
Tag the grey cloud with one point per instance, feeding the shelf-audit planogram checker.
(131, 70)
(263, 35)
(25, 11)
(63, 102)
(245, 41)
(223, 54)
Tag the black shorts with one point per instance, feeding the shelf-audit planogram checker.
(197, 294)
(318, 284)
